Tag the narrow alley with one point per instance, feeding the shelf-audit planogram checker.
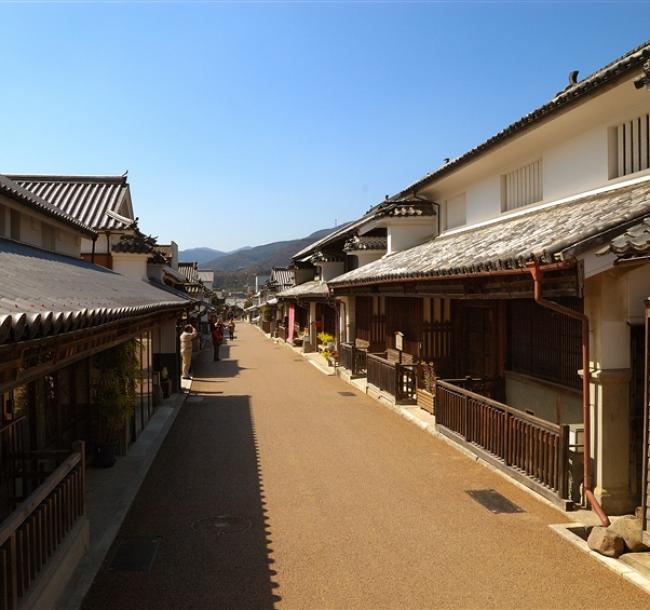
(280, 487)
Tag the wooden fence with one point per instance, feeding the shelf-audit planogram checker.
(31, 535)
(535, 451)
(398, 380)
(353, 359)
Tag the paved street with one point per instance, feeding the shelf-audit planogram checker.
(274, 490)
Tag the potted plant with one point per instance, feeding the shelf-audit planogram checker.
(115, 395)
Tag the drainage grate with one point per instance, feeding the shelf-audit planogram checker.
(494, 501)
(222, 524)
(135, 555)
(346, 393)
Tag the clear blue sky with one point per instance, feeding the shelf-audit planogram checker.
(242, 124)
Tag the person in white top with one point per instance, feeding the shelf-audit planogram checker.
(187, 336)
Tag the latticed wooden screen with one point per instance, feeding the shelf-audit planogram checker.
(545, 344)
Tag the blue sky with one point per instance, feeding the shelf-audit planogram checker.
(242, 124)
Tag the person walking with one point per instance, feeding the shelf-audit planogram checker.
(187, 336)
(217, 339)
(231, 329)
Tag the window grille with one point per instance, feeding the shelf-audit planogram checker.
(2, 220)
(633, 146)
(545, 344)
(522, 186)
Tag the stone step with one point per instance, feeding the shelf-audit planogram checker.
(638, 561)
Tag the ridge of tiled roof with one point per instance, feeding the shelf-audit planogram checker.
(392, 207)
(556, 231)
(15, 191)
(590, 85)
(136, 243)
(86, 198)
(361, 242)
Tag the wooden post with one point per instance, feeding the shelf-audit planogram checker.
(80, 448)
(563, 461)
(466, 417)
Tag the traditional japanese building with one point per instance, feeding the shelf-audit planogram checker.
(59, 314)
(534, 333)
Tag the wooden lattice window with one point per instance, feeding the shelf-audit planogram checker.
(522, 186)
(545, 344)
(631, 146)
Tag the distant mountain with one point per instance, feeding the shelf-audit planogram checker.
(241, 266)
(199, 255)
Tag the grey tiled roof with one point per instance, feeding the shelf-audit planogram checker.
(592, 84)
(365, 243)
(135, 243)
(95, 201)
(554, 232)
(15, 191)
(282, 277)
(327, 257)
(392, 207)
(42, 293)
(190, 271)
(313, 288)
(633, 242)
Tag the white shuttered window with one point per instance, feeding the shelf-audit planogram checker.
(633, 145)
(522, 186)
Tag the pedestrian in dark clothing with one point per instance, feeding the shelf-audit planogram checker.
(217, 339)
(231, 329)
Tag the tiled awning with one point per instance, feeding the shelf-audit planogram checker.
(314, 288)
(42, 294)
(555, 232)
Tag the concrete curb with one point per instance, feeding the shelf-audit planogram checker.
(615, 565)
(110, 494)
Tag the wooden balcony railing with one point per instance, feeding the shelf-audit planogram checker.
(31, 535)
(398, 380)
(534, 451)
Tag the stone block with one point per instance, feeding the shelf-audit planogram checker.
(629, 528)
(605, 542)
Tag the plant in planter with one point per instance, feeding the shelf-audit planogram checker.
(327, 344)
(114, 387)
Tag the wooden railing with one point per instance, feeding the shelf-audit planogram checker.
(534, 450)
(398, 380)
(31, 535)
(353, 359)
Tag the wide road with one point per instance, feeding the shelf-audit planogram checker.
(276, 489)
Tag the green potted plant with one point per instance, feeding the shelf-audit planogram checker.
(115, 395)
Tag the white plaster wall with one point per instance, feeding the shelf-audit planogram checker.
(328, 271)
(638, 290)
(367, 256)
(133, 266)
(483, 200)
(574, 148)
(402, 237)
(577, 165)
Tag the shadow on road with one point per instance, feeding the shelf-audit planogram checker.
(204, 500)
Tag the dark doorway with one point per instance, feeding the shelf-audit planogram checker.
(637, 344)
